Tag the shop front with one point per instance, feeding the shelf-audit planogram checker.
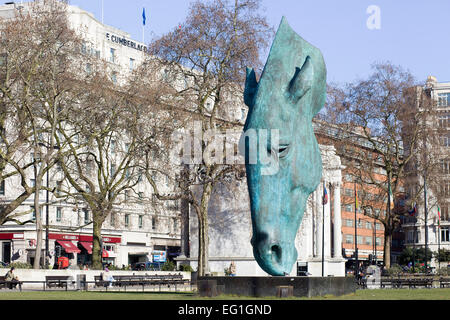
(78, 248)
(11, 246)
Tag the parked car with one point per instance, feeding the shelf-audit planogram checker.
(138, 266)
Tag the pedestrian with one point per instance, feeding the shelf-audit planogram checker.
(10, 276)
(232, 269)
(107, 277)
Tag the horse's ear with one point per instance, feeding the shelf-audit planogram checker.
(250, 87)
(302, 81)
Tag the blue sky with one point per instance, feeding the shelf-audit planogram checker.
(413, 33)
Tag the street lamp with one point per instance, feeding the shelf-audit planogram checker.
(47, 251)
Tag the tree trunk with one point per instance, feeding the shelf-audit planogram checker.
(387, 248)
(203, 230)
(37, 210)
(96, 247)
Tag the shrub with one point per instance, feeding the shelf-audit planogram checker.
(20, 265)
(186, 268)
(394, 270)
(168, 266)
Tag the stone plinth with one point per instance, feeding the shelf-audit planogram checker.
(267, 286)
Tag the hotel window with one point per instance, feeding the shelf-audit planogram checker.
(377, 226)
(131, 64)
(368, 241)
(114, 77)
(175, 224)
(445, 234)
(349, 208)
(445, 166)
(2, 188)
(141, 222)
(126, 195)
(33, 213)
(445, 140)
(443, 120)
(112, 57)
(348, 222)
(153, 223)
(378, 241)
(127, 220)
(368, 225)
(112, 219)
(88, 68)
(348, 238)
(360, 239)
(348, 192)
(83, 48)
(444, 99)
(360, 223)
(58, 214)
(86, 216)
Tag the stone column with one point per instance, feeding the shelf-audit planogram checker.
(327, 226)
(337, 221)
(319, 210)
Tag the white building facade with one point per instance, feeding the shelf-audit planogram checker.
(138, 230)
(436, 228)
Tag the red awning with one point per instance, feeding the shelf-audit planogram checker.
(88, 247)
(69, 246)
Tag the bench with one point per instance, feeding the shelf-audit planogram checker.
(444, 282)
(141, 280)
(9, 284)
(58, 281)
(426, 282)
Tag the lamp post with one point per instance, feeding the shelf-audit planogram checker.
(47, 220)
(356, 242)
(426, 223)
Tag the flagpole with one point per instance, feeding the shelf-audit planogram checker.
(439, 238)
(323, 228)
(356, 241)
(426, 222)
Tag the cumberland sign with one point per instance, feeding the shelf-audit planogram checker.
(125, 42)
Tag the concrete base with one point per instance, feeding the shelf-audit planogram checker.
(267, 286)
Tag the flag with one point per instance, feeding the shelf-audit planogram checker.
(143, 16)
(439, 215)
(356, 199)
(413, 211)
(391, 198)
(325, 195)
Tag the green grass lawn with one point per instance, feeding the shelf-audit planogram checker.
(382, 294)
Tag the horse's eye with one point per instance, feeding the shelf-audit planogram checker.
(283, 151)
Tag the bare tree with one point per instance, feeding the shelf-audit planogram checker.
(204, 59)
(38, 71)
(382, 134)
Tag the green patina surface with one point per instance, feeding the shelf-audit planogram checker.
(290, 92)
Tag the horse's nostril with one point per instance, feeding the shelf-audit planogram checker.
(276, 252)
